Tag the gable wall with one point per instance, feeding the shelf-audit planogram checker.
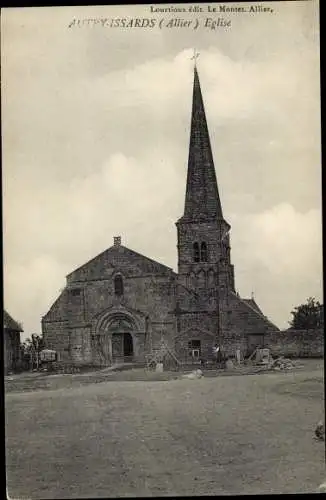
(72, 317)
(239, 322)
(196, 325)
(207, 342)
(56, 337)
(114, 260)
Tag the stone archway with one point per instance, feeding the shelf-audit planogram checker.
(120, 329)
(115, 337)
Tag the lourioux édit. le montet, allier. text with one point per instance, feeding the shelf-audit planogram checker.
(214, 9)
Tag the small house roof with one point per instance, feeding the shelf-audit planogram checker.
(10, 324)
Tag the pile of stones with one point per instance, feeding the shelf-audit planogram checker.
(282, 363)
(196, 374)
(320, 432)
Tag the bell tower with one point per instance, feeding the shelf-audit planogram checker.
(203, 233)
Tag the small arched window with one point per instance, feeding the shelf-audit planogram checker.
(203, 252)
(196, 252)
(118, 285)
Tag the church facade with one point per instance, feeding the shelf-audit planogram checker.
(121, 304)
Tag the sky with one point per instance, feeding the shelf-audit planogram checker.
(96, 124)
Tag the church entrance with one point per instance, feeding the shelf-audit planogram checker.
(122, 346)
(121, 327)
(128, 348)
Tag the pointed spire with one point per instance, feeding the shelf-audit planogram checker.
(202, 198)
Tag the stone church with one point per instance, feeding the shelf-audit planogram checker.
(121, 304)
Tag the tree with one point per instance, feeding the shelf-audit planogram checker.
(31, 349)
(38, 345)
(308, 316)
(25, 349)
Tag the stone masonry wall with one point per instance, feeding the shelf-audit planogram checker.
(239, 321)
(89, 293)
(56, 336)
(296, 343)
(11, 349)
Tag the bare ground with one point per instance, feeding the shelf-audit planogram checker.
(213, 436)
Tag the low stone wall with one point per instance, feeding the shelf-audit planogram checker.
(296, 343)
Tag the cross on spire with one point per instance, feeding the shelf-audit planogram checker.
(195, 56)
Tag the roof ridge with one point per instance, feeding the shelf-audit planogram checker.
(246, 301)
(260, 313)
(255, 305)
(148, 258)
(188, 289)
(125, 248)
(12, 324)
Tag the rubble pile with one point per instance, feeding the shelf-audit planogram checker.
(322, 488)
(193, 375)
(282, 363)
(320, 431)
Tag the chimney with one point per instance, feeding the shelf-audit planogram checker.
(117, 241)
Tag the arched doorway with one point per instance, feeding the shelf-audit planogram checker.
(120, 329)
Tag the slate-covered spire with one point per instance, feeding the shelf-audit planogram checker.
(202, 198)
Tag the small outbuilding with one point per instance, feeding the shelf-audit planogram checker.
(11, 339)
